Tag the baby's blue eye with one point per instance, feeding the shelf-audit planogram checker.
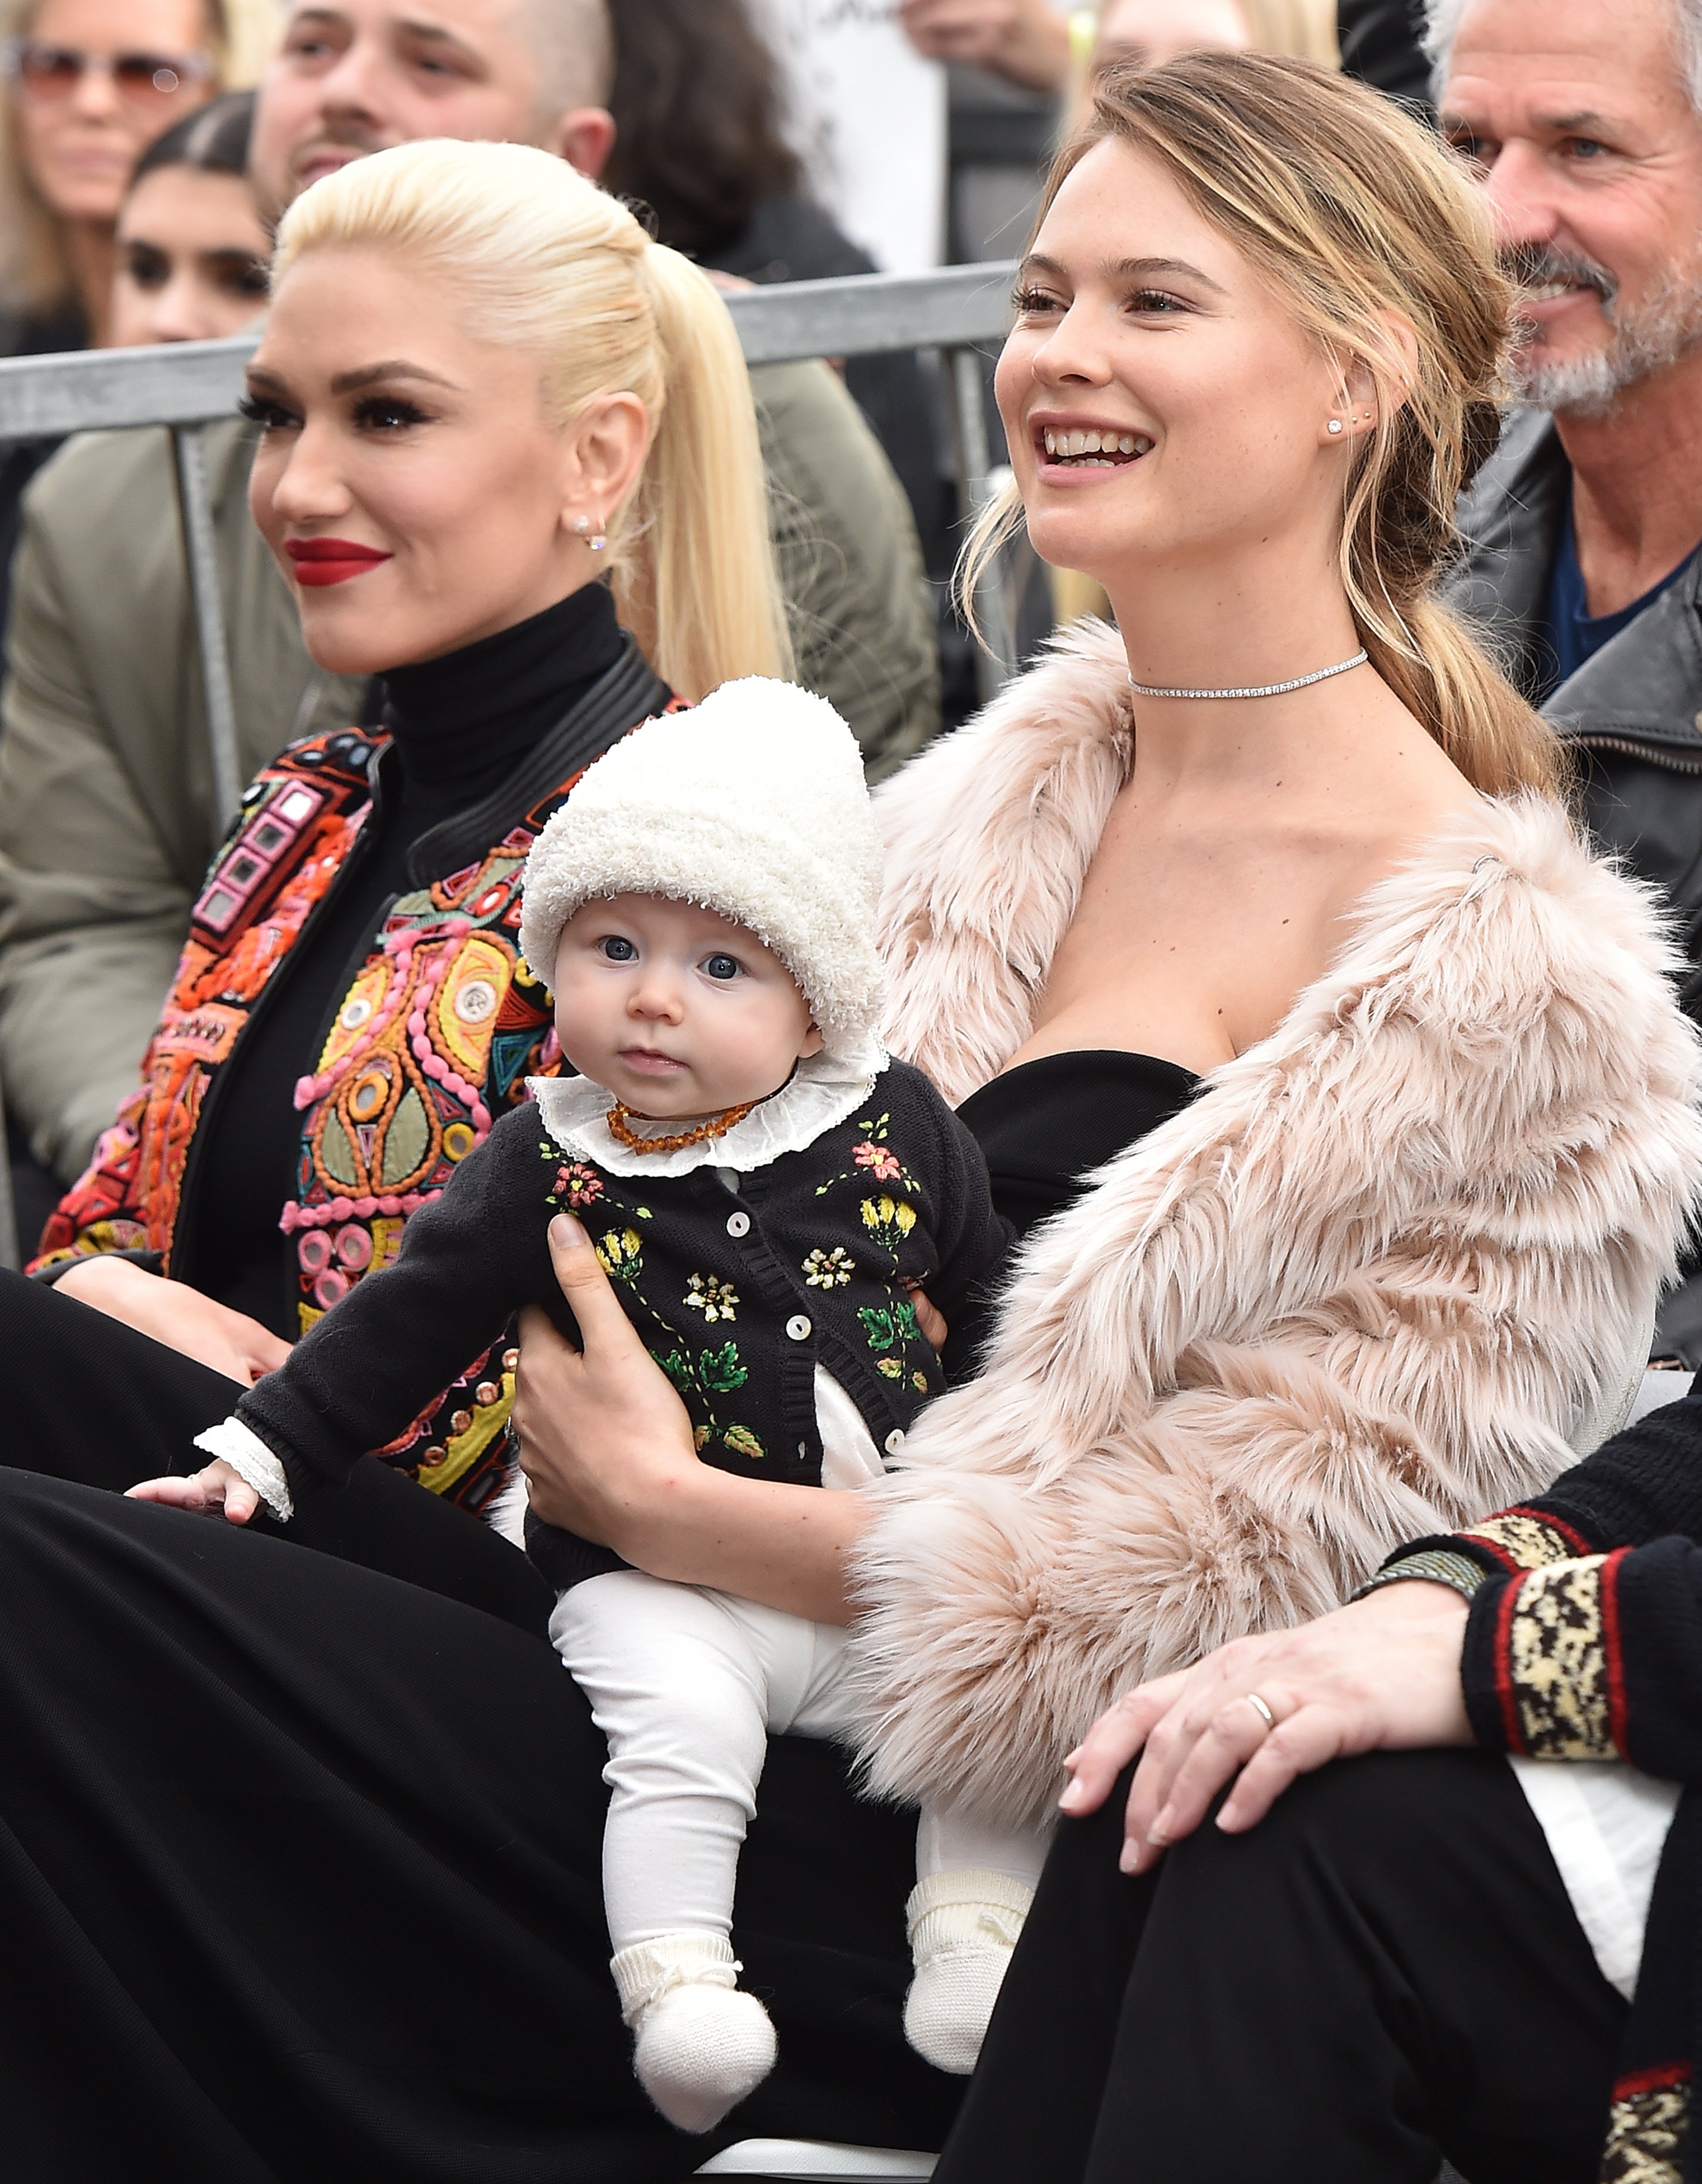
(618, 949)
(721, 967)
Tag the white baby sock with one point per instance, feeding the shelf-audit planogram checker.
(963, 1927)
(700, 2045)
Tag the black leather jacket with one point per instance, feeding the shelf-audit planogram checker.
(1631, 714)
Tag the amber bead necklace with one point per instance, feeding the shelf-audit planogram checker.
(619, 1121)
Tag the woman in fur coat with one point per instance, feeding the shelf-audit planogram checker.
(1281, 868)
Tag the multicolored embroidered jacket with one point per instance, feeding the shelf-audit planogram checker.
(1584, 1642)
(435, 1035)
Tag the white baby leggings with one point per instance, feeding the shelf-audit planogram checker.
(687, 1683)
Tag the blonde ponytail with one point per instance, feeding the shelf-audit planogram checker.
(541, 258)
(1361, 220)
(691, 600)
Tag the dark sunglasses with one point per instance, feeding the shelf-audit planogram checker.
(55, 71)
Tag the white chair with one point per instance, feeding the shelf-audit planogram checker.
(799, 2161)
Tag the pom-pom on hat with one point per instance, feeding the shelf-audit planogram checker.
(751, 803)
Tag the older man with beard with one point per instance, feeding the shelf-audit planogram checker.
(1585, 121)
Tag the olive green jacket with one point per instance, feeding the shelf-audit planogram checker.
(107, 821)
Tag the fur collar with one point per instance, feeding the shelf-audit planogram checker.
(1383, 1275)
(988, 835)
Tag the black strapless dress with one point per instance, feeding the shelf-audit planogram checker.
(1048, 1123)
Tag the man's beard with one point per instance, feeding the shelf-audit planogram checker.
(1644, 338)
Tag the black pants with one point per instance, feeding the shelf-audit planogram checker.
(92, 1402)
(300, 1852)
(1384, 1972)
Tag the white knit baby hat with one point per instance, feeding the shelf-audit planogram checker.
(751, 803)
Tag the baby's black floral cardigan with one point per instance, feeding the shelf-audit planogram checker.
(738, 1294)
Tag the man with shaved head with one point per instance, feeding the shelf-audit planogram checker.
(107, 815)
(1584, 122)
(355, 77)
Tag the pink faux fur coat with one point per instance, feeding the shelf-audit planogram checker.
(1387, 1273)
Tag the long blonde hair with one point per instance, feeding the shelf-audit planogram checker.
(1355, 214)
(543, 259)
(35, 274)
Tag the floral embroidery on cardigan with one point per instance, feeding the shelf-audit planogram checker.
(874, 1157)
(713, 1372)
(622, 1253)
(574, 1182)
(829, 1270)
(714, 1298)
(888, 1220)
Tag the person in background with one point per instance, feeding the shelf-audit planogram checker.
(191, 266)
(107, 819)
(89, 84)
(193, 255)
(1585, 124)
(699, 140)
(1031, 43)
(1027, 41)
(1155, 31)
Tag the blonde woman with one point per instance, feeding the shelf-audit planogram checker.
(508, 457)
(89, 86)
(1342, 1094)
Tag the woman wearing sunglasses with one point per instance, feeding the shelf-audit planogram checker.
(89, 85)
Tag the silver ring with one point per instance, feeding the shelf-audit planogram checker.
(1259, 1708)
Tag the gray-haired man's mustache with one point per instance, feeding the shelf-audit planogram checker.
(1534, 267)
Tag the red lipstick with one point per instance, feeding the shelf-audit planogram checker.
(318, 561)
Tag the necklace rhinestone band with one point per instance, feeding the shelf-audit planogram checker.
(619, 1122)
(1263, 690)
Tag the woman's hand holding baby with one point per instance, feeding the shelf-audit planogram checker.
(606, 1445)
(603, 1432)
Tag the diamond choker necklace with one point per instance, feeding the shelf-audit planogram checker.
(1263, 690)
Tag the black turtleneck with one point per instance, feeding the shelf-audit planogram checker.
(460, 727)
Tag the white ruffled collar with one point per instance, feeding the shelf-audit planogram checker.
(819, 1093)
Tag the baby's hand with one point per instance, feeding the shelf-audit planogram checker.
(206, 1492)
(929, 1317)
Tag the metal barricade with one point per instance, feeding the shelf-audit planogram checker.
(960, 312)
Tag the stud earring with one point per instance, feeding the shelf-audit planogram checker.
(597, 539)
(1335, 424)
(581, 525)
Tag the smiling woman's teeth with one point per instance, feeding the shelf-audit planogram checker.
(1108, 448)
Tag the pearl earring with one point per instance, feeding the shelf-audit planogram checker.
(596, 540)
(1335, 424)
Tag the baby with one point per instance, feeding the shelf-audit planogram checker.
(766, 1188)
